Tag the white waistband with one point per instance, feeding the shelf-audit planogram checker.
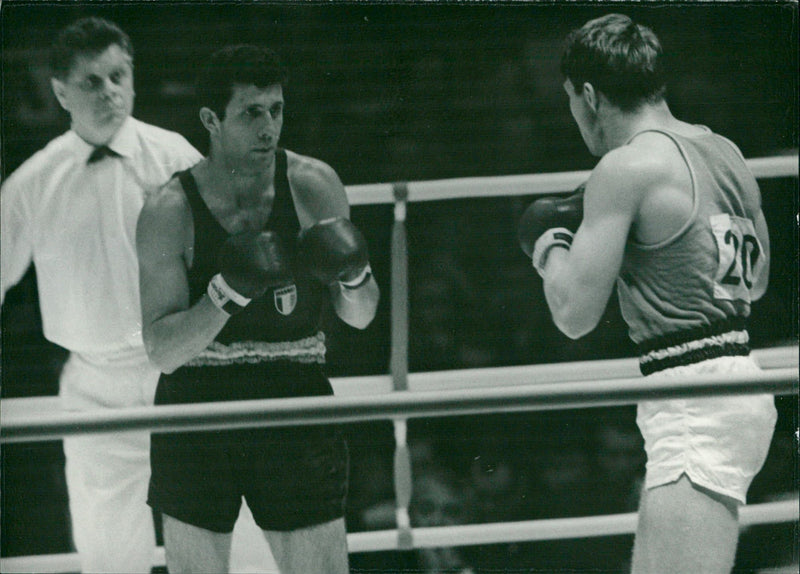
(731, 337)
(308, 350)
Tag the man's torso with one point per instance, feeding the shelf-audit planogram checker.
(82, 218)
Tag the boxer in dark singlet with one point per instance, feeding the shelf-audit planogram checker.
(237, 256)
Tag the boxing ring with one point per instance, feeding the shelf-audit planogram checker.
(401, 395)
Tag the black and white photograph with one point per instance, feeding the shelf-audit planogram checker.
(394, 287)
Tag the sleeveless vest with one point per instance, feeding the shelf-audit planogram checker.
(696, 284)
(284, 323)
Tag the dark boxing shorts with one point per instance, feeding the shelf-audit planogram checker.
(291, 477)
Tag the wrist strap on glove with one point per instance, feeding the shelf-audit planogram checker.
(358, 281)
(555, 237)
(224, 297)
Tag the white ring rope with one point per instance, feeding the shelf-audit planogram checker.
(317, 410)
(771, 358)
(528, 184)
(551, 528)
(462, 535)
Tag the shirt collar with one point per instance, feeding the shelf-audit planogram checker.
(124, 142)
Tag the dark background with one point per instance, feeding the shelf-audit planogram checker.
(388, 92)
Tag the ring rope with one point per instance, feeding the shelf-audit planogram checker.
(554, 528)
(319, 410)
(770, 358)
(595, 370)
(462, 535)
(528, 184)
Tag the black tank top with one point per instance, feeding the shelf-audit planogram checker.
(281, 314)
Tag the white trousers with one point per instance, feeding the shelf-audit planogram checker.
(107, 478)
(108, 474)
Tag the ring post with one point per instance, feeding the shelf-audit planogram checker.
(399, 364)
(399, 360)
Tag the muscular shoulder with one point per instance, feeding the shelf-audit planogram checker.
(629, 173)
(311, 175)
(316, 188)
(648, 159)
(169, 201)
(649, 181)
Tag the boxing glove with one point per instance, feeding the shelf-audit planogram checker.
(335, 250)
(548, 213)
(249, 264)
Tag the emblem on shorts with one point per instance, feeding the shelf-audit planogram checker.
(285, 299)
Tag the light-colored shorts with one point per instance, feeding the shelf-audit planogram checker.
(720, 443)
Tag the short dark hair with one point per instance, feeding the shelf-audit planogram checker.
(621, 59)
(85, 36)
(242, 64)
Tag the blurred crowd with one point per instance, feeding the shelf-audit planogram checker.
(519, 467)
(506, 468)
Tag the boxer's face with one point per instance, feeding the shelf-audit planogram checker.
(250, 132)
(98, 93)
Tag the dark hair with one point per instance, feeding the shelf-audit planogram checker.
(620, 58)
(85, 36)
(242, 64)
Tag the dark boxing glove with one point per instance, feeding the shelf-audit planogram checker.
(249, 264)
(549, 222)
(547, 213)
(335, 250)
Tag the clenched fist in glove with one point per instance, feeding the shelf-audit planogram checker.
(335, 250)
(249, 264)
(550, 222)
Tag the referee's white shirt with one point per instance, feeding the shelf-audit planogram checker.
(76, 221)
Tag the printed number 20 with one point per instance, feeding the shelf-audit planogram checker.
(747, 253)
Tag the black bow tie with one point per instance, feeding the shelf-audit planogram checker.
(100, 152)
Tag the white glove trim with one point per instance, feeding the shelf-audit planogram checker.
(362, 278)
(555, 237)
(224, 296)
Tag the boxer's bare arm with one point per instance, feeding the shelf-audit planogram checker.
(580, 281)
(319, 195)
(173, 331)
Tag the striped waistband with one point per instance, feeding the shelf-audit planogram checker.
(308, 350)
(679, 351)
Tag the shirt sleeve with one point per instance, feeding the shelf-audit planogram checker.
(187, 155)
(16, 247)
